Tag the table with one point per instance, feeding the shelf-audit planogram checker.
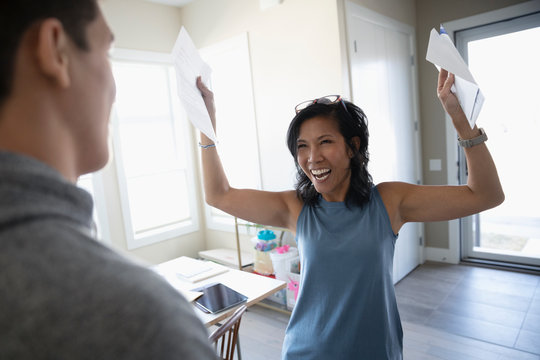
(255, 287)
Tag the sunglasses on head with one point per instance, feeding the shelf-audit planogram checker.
(328, 99)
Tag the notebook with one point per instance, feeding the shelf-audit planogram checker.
(193, 270)
(218, 297)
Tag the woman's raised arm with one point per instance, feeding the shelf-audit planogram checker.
(262, 207)
(416, 203)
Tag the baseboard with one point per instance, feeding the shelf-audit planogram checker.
(500, 265)
(441, 255)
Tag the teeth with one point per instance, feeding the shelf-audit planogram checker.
(320, 174)
(319, 171)
(322, 177)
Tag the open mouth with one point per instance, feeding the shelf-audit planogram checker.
(321, 174)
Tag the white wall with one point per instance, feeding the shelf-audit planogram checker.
(401, 10)
(142, 25)
(296, 53)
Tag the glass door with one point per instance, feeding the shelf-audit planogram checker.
(504, 58)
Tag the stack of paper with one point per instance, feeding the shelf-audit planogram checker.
(228, 257)
(443, 54)
(188, 65)
(193, 270)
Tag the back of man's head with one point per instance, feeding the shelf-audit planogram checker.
(17, 16)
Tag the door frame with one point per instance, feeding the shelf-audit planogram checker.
(468, 235)
(456, 250)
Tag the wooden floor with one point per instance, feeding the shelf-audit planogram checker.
(448, 312)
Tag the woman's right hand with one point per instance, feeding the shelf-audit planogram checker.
(280, 208)
(208, 98)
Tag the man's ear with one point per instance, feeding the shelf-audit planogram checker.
(52, 51)
(355, 142)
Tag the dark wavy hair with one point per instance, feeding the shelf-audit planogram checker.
(17, 16)
(352, 123)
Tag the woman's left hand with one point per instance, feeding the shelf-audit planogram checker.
(451, 105)
(420, 203)
(448, 99)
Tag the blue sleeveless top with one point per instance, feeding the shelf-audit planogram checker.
(346, 306)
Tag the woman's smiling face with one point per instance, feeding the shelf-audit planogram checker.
(325, 157)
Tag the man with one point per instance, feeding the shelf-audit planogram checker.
(63, 295)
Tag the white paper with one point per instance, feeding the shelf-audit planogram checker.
(443, 54)
(189, 65)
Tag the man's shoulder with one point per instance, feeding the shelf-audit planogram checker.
(69, 279)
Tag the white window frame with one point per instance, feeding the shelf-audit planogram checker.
(165, 232)
(100, 207)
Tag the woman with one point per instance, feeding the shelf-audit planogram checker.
(345, 226)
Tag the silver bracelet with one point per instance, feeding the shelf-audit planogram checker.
(206, 146)
(474, 141)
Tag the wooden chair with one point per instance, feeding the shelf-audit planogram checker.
(225, 337)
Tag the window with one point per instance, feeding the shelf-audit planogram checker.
(152, 150)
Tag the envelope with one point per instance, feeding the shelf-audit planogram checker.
(443, 54)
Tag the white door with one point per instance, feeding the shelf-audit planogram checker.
(383, 85)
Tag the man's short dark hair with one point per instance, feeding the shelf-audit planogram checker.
(17, 16)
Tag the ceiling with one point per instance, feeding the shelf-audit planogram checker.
(178, 3)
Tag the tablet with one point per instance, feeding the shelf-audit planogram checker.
(218, 297)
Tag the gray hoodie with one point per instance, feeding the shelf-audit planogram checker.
(63, 295)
